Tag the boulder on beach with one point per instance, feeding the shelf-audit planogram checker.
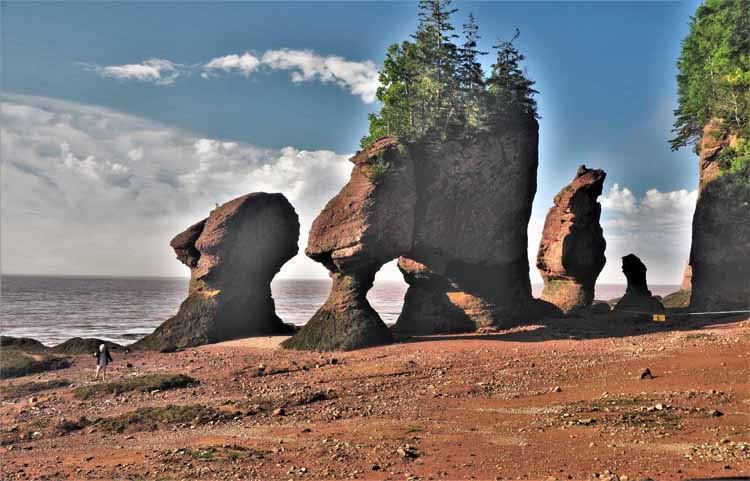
(571, 252)
(460, 209)
(233, 255)
(637, 298)
(84, 345)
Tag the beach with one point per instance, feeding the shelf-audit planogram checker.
(558, 400)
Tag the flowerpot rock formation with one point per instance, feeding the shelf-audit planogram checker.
(233, 255)
(720, 251)
(637, 298)
(457, 212)
(571, 252)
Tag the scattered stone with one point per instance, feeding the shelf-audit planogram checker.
(646, 374)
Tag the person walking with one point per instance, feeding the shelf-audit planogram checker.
(102, 359)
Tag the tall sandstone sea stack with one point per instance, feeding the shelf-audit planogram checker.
(457, 214)
(233, 255)
(720, 252)
(571, 253)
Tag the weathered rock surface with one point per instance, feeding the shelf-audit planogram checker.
(571, 252)
(367, 224)
(637, 298)
(434, 304)
(233, 255)
(457, 212)
(720, 251)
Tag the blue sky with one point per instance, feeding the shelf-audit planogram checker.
(605, 72)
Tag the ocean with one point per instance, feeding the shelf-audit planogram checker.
(123, 309)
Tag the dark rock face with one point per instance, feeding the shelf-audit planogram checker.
(720, 251)
(571, 253)
(233, 255)
(637, 298)
(457, 213)
(434, 304)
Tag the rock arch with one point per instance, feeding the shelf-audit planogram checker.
(459, 210)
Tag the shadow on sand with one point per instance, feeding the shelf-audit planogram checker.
(595, 327)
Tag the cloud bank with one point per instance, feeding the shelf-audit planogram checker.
(657, 228)
(358, 78)
(87, 190)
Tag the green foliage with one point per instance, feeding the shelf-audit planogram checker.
(379, 168)
(432, 88)
(714, 71)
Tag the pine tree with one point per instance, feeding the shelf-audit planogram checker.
(439, 58)
(713, 77)
(431, 89)
(471, 75)
(510, 91)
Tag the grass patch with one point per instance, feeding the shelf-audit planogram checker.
(26, 389)
(632, 412)
(147, 383)
(68, 426)
(16, 363)
(223, 453)
(151, 418)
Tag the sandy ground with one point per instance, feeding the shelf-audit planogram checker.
(554, 401)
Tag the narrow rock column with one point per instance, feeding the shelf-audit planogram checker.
(346, 321)
(571, 253)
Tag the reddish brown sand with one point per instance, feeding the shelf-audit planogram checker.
(560, 401)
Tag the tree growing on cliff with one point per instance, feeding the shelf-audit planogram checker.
(713, 79)
(432, 88)
(510, 91)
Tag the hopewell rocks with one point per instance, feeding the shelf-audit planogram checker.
(720, 251)
(637, 298)
(455, 213)
(571, 252)
(233, 255)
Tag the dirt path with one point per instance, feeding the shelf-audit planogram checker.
(537, 402)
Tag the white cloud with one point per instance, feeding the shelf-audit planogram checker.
(244, 64)
(358, 78)
(155, 70)
(87, 190)
(657, 228)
